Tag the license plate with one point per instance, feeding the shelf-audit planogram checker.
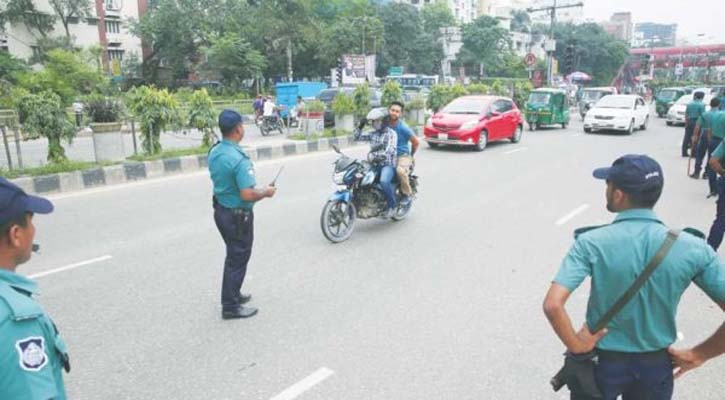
(443, 136)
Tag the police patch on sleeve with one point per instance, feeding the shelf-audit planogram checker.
(31, 352)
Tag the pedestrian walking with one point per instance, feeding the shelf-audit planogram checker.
(78, 110)
(633, 347)
(714, 134)
(693, 111)
(235, 194)
(32, 352)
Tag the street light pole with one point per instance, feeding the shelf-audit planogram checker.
(552, 12)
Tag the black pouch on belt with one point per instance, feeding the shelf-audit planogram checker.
(242, 219)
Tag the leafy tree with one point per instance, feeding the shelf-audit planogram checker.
(24, 12)
(43, 115)
(10, 67)
(66, 10)
(435, 16)
(520, 21)
(361, 98)
(202, 115)
(440, 95)
(391, 92)
(403, 27)
(485, 43)
(155, 109)
(234, 59)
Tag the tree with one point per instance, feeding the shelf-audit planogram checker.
(10, 67)
(202, 115)
(43, 115)
(234, 59)
(391, 92)
(155, 109)
(67, 10)
(485, 44)
(520, 21)
(403, 27)
(436, 16)
(24, 12)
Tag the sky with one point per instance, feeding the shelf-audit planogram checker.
(691, 16)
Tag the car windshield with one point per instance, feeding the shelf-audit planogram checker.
(539, 98)
(465, 106)
(592, 95)
(685, 99)
(667, 94)
(616, 102)
(327, 95)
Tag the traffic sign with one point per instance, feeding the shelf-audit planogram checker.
(530, 59)
(395, 71)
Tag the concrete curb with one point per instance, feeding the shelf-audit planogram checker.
(132, 171)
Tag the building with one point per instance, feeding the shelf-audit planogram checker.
(107, 25)
(574, 15)
(619, 26)
(649, 34)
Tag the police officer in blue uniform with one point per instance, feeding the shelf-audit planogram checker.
(635, 357)
(235, 194)
(32, 353)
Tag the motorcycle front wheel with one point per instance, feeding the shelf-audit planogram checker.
(338, 220)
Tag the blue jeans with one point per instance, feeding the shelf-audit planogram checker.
(387, 173)
(634, 377)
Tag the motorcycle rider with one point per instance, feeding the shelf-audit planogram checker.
(405, 153)
(385, 142)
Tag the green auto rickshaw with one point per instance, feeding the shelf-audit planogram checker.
(547, 107)
(666, 98)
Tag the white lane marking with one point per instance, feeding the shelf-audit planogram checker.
(69, 267)
(516, 151)
(152, 181)
(568, 217)
(304, 385)
(576, 135)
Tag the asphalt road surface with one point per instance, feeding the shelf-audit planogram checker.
(444, 305)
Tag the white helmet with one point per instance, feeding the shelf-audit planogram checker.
(377, 113)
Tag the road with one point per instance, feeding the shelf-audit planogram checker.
(35, 152)
(444, 305)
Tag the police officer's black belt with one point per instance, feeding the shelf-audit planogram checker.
(578, 370)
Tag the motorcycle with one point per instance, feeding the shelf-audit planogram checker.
(360, 195)
(270, 124)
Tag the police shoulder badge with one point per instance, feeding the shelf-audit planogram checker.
(31, 352)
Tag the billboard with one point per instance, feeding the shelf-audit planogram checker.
(357, 69)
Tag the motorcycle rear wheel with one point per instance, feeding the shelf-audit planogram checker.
(338, 220)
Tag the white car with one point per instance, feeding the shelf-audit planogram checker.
(618, 112)
(676, 113)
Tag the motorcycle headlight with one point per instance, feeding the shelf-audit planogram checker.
(469, 124)
(339, 177)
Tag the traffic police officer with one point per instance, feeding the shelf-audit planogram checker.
(635, 358)
(235, 194)
(715, 133)
(693, 111)
(32, 353)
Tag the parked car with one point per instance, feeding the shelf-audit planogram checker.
(666, 98)
(475, 121)
(618, 112)
(676, 113)
(326, 96)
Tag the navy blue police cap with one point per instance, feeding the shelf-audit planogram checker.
(14, 202)
(229, 119)
(633, 173)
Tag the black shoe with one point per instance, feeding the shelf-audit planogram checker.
(704, 175)
(712, 194)
(244, 298)
(695, 175)
(241, 312)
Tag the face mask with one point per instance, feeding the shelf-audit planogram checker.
(378, 125)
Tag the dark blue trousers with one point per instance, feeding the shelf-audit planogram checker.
(711, 174)
(237, 230)
(714, 239)
(701, 151)
(687, 139)
(634, 376)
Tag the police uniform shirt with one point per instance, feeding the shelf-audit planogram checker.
(614, 255)
(32, 352)
(706, 123)
(695, 109)
(231, 170)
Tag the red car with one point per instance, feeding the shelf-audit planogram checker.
(475, 121)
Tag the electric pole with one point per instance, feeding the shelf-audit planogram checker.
(551, 44)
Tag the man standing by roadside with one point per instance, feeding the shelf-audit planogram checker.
(706, 128)
(235, 194)
(693, 111)
(32, 352)
(635, 358)
(407, 146)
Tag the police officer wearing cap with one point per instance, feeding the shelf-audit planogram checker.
(235, 194)
(634, 353)
(32, 353)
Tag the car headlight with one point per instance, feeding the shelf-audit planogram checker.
(339, 177)
(469, 124)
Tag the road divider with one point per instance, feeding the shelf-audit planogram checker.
(304, 385)
(568, 217)
(70, 267)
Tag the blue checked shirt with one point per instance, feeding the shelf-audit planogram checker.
(386, 137)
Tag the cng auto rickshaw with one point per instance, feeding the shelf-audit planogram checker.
(590, 97)
(666, 98)
(547, 107)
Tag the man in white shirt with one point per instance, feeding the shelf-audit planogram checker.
(269, 108)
